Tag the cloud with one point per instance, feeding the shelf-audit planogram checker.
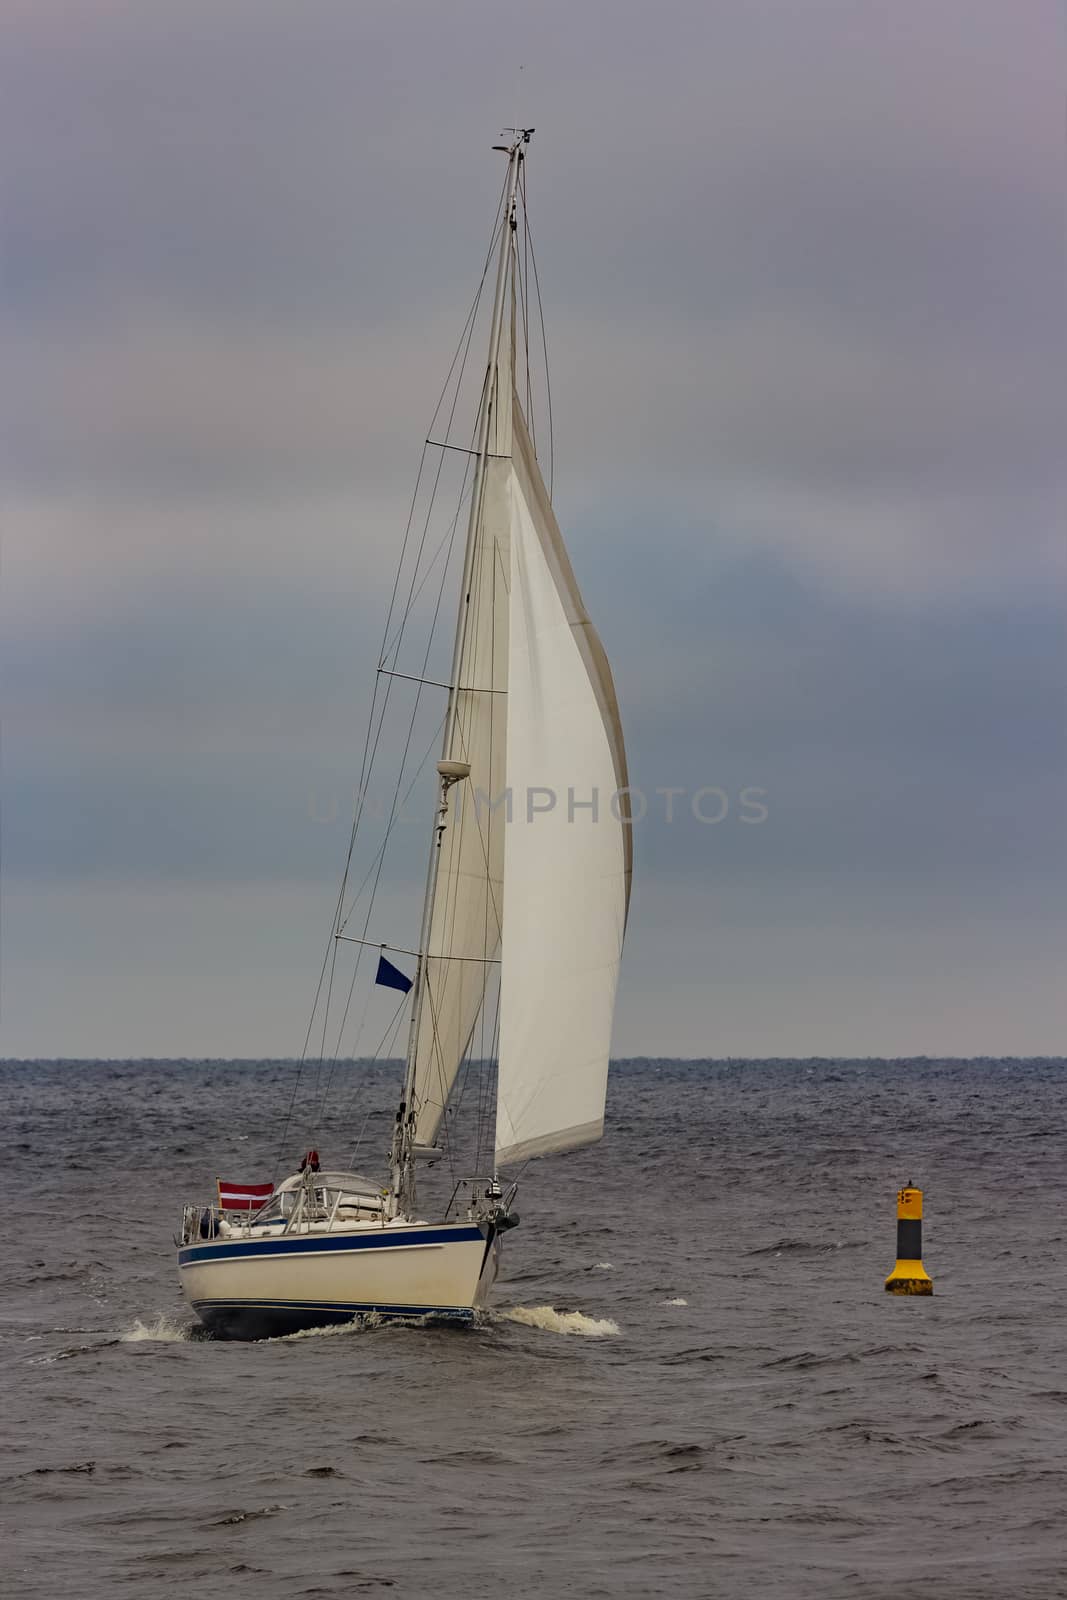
(825, 258)
(803, 278)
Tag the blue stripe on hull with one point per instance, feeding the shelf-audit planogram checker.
(269, 1319)
(316, 1244)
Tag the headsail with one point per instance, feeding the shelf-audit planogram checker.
(567, 852)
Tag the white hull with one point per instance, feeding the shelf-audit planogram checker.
(250, 1287)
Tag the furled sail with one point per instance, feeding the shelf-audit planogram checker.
(466, 912)
(567, 850)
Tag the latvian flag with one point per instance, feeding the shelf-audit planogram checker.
(243, 1196)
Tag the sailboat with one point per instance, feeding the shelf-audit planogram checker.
(527, 887)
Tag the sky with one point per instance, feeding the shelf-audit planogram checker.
(803, 273)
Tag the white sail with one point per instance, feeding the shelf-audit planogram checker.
(466, 912)
(567, 848)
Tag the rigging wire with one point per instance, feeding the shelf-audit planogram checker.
(420, 681)
(524, 297)
(388, 1041)
(544, 337)
(525, 281)
(394, 648)
(388, 831)
(378, 854)
(444, 544)
(485, 1137)
(369, 750)
(378, 863)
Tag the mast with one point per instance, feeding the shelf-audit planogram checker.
(450, 771)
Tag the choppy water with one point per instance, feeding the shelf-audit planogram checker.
(693, 1383)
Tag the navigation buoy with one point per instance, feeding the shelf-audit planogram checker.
(909, 1276)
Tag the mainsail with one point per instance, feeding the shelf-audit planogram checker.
(467, 904)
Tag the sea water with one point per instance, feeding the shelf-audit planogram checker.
(691, 1382)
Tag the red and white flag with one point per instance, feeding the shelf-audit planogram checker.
(243, 1196)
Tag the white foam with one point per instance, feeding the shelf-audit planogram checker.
(329, 1330)
(162, 1331)
(605, 1266)
(554, 1321)
(678, 1302)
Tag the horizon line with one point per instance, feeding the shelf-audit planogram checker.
(392, 1061)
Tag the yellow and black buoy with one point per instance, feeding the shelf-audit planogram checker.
(909, 1276)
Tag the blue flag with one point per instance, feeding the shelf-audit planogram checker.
(391, 977)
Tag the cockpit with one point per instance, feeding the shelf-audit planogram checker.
(321, 1198)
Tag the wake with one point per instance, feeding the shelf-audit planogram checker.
(553, 1321)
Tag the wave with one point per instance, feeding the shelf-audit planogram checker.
(329, 1330)
(553, 1321)
(683, 1455)
(677, 1301)
(805, 1247)
(803, 1359)
(236, 1517)
(68, 1354)
(161, 1331)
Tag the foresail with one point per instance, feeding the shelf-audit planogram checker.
(567, 851)
(466, 914)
